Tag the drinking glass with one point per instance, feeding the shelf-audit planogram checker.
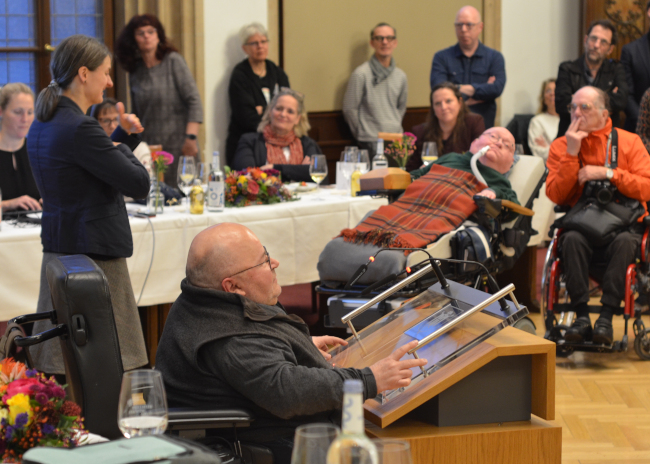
(429, 152)
(393, 451)
(364, 161)
(349, 158)
(311, 442)
(318, 168)
(143, 405)
(186, 176)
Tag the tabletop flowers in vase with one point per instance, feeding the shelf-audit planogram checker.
(401, 149)
(34, 412)
(255, 186)
(159, 162)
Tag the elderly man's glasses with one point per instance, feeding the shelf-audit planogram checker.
(267, 260)
(584, 107)
(592, 39)
(381, 38)
(495, 138)
(468, 26)
(258, 43)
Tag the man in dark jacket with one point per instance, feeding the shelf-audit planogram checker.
(595, 69)
(635, 58)
(228, 343)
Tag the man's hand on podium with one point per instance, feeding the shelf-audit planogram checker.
(391, 373)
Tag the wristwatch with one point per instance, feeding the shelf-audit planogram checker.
(190, 136)
(610, 174)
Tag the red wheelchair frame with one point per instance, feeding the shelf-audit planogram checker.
(637, 279)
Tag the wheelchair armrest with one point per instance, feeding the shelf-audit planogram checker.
(57, 331)
(493, 207)
(20, 320)
(646, 221)
(561, 208)
(189, 418)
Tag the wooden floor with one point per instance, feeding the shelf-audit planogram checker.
(603, 404)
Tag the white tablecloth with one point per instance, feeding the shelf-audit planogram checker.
(294, 233)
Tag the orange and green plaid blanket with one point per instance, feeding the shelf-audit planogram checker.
(431, 206)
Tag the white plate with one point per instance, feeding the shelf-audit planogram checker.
(306, 188)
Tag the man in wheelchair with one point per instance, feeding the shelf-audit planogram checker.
(593, 159)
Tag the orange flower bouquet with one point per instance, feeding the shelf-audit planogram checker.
(255, 186)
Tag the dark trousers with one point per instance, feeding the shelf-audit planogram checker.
(608, 263)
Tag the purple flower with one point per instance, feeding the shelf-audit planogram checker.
(31, 372)
(58, 392)
(9, 433)
(41, 398)
(47, 429)
(21, 420)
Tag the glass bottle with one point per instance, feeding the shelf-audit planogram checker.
(155, 199)
(197, 198)
(352, 445)
(216, 185)
(379, 161)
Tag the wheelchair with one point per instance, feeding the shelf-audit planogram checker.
(556, 308)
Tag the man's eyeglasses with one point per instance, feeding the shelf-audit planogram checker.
(257, 43)
(469, 26)
(267, 260)
(108, 121)
(592, 39)
(381, 38)
(495, 138)
(584, 107)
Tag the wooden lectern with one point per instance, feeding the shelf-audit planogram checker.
(487, 391)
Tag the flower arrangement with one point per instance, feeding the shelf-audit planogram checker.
(400, 150)
(160, 161)
(255, 186)
(34, 412)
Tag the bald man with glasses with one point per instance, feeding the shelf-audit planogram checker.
(228, 343)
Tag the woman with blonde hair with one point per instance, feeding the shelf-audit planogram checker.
(281, 140)
(542, 129)
(19, 191)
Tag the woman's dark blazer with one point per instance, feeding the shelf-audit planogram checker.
(251, 152)
(82, 177)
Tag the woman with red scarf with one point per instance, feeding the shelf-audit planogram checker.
(281, 140)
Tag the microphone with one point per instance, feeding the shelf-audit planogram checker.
(357, 275)
(384, 281)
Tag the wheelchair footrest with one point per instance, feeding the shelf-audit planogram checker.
(590, 346)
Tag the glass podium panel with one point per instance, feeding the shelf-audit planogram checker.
(455, 320)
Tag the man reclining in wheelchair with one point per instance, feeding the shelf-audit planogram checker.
(604, 175)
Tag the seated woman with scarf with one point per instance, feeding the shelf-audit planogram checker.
(281, 140)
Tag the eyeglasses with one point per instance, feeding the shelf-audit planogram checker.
(592, 39)
(469, 26)
(257, 43)
(381, 38)
(108, 121)
(495, 138)
(267, 260)
(584, 107)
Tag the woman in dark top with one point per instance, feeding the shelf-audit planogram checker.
(16, 180)
(449, 124)
(83, 176)
(281, 141)
(253, 83)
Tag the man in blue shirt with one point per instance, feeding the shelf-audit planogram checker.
(478, 70)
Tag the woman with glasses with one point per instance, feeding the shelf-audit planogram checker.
(281, 140)
(253, 83)
(542, 129)
(163, 92)
(449, 124)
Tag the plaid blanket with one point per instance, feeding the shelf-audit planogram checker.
(433, 205)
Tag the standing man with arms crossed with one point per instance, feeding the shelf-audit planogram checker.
(478, 70)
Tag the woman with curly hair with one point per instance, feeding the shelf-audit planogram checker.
(163, 92)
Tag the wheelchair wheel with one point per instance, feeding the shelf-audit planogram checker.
(642, 345)
(526, 325)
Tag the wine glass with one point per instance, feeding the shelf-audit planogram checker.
(186, 176)
(318, 168)
(311, 442)
(429, 152)
(392, 451)
(364, 161)
(143, 405)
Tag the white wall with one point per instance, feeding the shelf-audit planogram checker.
(222, 21)
(536, 36)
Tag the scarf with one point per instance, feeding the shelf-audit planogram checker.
(379, 72)
(275, 143)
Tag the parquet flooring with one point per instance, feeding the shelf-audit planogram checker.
(603, 404)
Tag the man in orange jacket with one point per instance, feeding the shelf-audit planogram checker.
(574, 159)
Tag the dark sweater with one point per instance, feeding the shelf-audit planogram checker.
(221, 350)
(251, 152)
(17, 182)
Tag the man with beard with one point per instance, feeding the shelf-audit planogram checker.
(595, 69)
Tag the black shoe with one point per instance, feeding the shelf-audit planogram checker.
(580, 331)
(603, 332)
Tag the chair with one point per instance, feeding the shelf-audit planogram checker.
(83, 315)
(518, 127)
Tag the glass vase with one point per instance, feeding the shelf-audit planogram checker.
(156, 199)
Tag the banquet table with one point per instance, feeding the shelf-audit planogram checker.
(294, 233)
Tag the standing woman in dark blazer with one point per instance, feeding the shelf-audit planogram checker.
(82, 176)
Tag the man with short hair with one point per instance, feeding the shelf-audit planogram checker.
(228, 343)
(635, 58)
(595, 69)
(375, 99)
(574, 159)
(478, 70)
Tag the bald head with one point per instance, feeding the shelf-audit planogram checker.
(470, 13)
(589, 107)
(468, 27)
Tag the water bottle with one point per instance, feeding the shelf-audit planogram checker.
(380, 161)
(216, 185)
